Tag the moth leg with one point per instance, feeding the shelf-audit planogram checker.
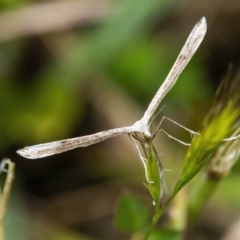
(170, 136)
(144, 160)
(158, 129)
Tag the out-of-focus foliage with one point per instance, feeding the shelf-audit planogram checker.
(165, 234)
(132, 214)
(12, 4)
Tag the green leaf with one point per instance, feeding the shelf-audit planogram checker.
(154, 175)
(132, 213)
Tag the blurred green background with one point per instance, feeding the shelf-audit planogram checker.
(71, 68)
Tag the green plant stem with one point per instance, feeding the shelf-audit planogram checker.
(203, 189)
(158, 213)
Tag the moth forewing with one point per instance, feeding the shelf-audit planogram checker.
(47, 149)
(190, 47)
